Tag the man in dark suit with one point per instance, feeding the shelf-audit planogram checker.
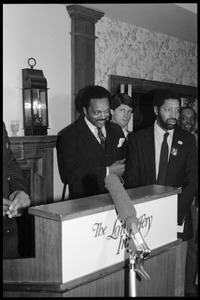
(188, 119)
(15, 199)
(86, 159)
(143, 162)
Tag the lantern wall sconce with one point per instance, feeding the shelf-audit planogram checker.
(35, 104)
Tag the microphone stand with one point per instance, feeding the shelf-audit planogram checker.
(132, 276)
(139, 251)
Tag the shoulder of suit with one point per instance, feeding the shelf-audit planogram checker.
(114, 126)
(183, 134)
(72, 127)
(142, 132)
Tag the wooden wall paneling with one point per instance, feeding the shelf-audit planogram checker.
(111, 282)
(45, 267)
(35, 157)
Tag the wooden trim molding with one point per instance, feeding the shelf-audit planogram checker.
(144, 85)
(142, 91)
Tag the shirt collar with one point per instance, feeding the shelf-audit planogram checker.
(93, 128)
(90, 125)
(125, 131)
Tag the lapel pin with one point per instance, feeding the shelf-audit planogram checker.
(174, 151)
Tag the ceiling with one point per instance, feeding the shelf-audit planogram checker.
(177, 20)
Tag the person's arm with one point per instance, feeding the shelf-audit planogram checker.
(132, 176)
(190, 181)
(18, 197)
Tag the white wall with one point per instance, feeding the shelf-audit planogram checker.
(41, 31)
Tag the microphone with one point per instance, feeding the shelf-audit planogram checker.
(126, 213)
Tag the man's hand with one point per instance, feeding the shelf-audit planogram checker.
(117, 167)
(6, 204)
(19, 202)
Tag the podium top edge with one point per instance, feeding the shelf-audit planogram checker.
(76, 208)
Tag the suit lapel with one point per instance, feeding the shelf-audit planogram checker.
(175, 150)
(88, 137)
(110, 139)
(148, 149)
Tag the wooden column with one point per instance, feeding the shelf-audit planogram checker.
(82, 49)
(35, 157)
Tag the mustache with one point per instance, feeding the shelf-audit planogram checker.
(172, 119)
(102, 119)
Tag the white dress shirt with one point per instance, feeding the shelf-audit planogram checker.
(94, 130)
(125, 131)
(158, 137)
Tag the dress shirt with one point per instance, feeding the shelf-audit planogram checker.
(94, 130)
(158, 135)
(125, 131)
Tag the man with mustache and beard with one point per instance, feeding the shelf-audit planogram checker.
(92, 147)
(142, 165)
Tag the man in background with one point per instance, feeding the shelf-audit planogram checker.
(188, 118)
(15, 200)
(92, 147)
(121, 109)
(143, 164)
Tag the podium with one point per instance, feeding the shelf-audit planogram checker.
(80, 248)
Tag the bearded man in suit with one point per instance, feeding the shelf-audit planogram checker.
(143, 164)
(85, 160)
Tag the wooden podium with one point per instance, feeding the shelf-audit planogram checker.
(80, 248)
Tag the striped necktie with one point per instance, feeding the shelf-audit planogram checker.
(102, 137)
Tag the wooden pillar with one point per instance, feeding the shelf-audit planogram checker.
(82, 49)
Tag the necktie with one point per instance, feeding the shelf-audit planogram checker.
(163, 161)
(102, 137)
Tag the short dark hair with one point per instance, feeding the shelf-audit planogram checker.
(78, 99)
(91, 92)
(121, 98)
(163, 94)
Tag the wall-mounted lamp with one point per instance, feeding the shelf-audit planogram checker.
(35, 105)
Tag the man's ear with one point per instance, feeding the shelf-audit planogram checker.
(111, 111)
(84, 110)
(155, 108)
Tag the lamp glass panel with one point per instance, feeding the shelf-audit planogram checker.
(27, 107)
(43, 101)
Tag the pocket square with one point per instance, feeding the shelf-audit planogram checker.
(121, 141)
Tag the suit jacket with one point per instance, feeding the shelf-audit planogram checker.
(12, 180)
(82, 160)
(182, 168)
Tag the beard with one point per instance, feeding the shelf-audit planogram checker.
(168, 124)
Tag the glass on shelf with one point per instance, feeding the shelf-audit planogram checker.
(14, 124)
